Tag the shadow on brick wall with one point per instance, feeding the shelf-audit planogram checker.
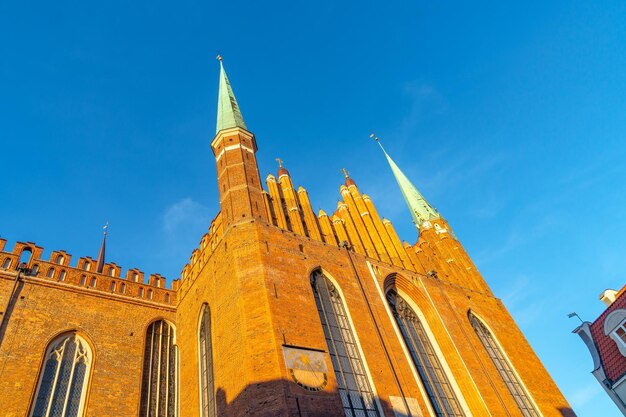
(283, 398)
(8, 309)
(567, 412)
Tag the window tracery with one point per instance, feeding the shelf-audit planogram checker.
(159, 393)
(353, 384)
(207, 390)
(436, 383)
(62, 386)
(508, 375)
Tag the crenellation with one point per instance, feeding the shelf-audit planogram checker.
(2, 243)
(20, 248)
(201, 254)
(134, 275)
(58, 269)
(60, 257)
(111, 269)
(156, 280)
(86, 263)
(185, 272)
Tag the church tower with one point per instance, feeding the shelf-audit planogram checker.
(234, 147)
(280, 312)
(285, 312)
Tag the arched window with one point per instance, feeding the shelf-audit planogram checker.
(51, 273)
(508, 375)
(62, 385)
(159, 395)
(205, 352)
(354, 387)
(438, 387)
(62, 276)
(60, 259)
(27, 253)
(7, 263)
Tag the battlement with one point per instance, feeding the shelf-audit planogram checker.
(27, 258)
(202, 254)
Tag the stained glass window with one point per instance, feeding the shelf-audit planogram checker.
(436, 383)
(504, 368)
(353, 384)
(63, 383)
(205, 349)
(159, 379)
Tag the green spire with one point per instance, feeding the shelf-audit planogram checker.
(228, 113)
(421, 211)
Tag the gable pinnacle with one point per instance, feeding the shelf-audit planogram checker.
(421, 210)
(228, 113)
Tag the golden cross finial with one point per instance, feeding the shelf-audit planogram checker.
(280, 162)
(345, 172)
(373, 136)
(219, 57)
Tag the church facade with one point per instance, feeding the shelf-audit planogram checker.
(280, 311)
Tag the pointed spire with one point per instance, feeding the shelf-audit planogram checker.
(421, 211)
(228, 113)
(100, 263)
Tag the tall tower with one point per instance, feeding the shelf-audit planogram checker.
(234, 147)
(437, 247)
(282, 312)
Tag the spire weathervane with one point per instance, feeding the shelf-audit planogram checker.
(219, 57)
(345, 173)
(280, 162)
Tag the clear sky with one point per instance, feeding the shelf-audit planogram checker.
(510, 118)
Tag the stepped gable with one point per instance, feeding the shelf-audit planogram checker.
(58, 271)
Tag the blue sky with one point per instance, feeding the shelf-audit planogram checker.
(510, 118)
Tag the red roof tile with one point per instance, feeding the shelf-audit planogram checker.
(612, 360)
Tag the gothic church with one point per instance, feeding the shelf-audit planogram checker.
(280, 312)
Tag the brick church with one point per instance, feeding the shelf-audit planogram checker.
(280, 311)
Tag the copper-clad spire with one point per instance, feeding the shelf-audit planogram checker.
(228, 113)
(421, 210)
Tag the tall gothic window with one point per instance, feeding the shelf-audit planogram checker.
(504, 368)
(438, 387)
(62, 385)
(205, 350)
(159, 378)
(353, 385)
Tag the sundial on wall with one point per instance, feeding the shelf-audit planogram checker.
(307, 367)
